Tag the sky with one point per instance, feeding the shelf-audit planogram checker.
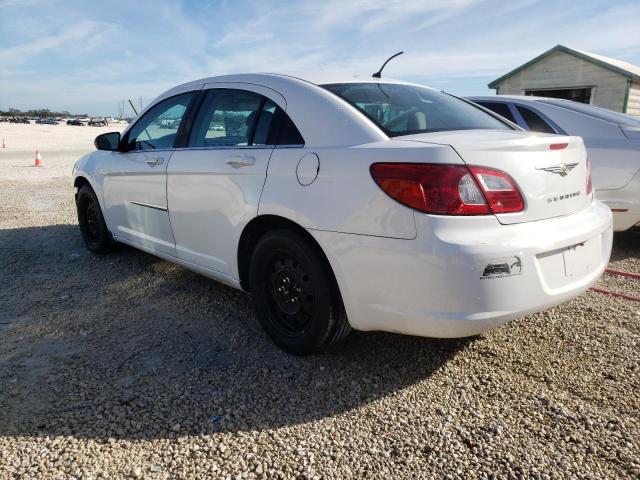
(86, 57)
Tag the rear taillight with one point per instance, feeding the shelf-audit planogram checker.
(499, 189)
(448, 189)
(589, 183)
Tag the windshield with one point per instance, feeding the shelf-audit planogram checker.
(407, 109)
(593, 111)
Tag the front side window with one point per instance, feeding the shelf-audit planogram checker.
(158, 127)
(534, 121)
(407, 109)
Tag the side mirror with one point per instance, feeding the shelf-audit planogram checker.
(107, 141)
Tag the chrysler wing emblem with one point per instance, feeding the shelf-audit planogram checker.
(562, 169)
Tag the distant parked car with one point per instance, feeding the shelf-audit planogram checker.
(75, 121)
(339, 203)
(612, 140)
(19, 120)
(96, 122)
(47, 121)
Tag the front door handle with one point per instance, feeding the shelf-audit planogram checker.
(152, 162)
(237, 161)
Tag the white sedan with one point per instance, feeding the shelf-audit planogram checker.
(350, 202)
(612, 140)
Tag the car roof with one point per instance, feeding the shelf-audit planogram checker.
(308, 105)
(267, 78)
(498, 98)
(575, 107)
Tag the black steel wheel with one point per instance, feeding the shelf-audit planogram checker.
(93, 229)
(292, 293)
(295, 294)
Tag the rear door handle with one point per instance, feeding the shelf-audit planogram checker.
(237, 161)
(152, 162)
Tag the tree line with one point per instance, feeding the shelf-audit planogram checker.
(39, 113)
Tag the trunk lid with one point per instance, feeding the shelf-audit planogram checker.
(552, 180)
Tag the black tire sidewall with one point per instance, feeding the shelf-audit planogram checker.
(327, 304)
(102, 245)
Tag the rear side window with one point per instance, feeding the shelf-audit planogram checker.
(226, 119)
(501, 109)
(237, 118)
(407, 109)
(285, 131)
(264, 124)
(534, 121)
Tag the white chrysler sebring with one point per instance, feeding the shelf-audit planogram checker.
(344, 203)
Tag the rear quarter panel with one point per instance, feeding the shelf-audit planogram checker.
(344, 197)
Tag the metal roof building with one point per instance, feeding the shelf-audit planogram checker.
(563, 72)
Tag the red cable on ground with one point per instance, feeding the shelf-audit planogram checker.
(623, 274)
(616, 294)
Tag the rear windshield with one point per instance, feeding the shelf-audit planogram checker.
(407, 109)
(597, 112)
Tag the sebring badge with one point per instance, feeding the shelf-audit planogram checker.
(563, 169)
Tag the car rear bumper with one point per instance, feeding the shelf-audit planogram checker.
(463, 276)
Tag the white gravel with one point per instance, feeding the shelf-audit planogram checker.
(126, 366)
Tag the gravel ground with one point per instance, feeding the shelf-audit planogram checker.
(126, 366)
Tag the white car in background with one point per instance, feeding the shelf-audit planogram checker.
(350, 202)
(612, 140)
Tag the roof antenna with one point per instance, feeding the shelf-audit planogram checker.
(378, 74)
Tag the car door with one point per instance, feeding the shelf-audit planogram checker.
(134, 186)
(214, 184)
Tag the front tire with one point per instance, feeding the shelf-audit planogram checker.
(93, 229)
(295, 294)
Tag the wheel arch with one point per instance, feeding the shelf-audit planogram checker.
(80, 180)
(258, 227)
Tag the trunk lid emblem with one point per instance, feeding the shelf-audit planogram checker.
(562, 169)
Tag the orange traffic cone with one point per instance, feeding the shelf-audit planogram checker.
(4, 143)
(38, 159)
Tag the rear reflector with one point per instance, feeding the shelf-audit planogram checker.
(619, 210)
(589, 182)
(444, 189)
(558, 146)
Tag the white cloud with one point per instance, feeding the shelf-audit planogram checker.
(91, 54)
(75, 37)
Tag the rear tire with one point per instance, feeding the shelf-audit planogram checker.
(93, 229)
(295, 294)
